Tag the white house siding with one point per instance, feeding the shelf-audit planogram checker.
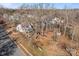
(19, 28)
(24, 28)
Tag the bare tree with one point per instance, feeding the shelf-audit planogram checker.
(66, 11)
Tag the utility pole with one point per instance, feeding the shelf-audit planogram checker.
(73, 33)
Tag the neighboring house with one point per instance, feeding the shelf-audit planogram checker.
(57, 21)
(30, 15)
(24, 28)
(17, 16)
(19, 28)
(5, 15)
(11, 17)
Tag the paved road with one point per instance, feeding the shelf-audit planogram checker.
(18, 52)
(7, 46)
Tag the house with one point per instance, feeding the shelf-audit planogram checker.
(24, 28)
(11, 17)
(5, 15)
(19, 28)
(31, 16)
(57, 21)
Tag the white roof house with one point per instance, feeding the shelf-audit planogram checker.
(5, 16)
(29, 15)
(57, 20)
(24, 28)
(19, 28)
